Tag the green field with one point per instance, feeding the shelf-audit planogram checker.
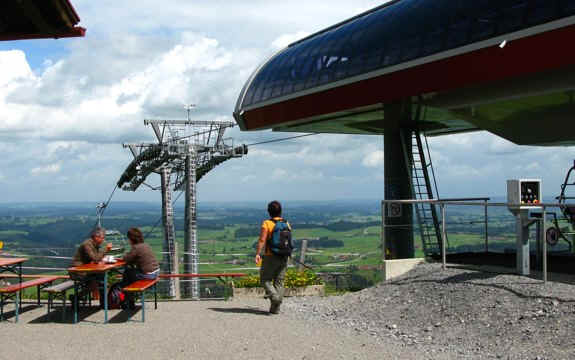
(344, 237)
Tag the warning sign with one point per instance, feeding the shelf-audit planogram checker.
(394, 210)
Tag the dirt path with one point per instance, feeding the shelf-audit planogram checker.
(184, 330)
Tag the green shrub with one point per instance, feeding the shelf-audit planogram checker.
(249, 281)
(293, 279)
(296, 278)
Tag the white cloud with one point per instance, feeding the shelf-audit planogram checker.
(373, 159)
(15, 60)
(65, 113)
(248, 178)
(46, 169)
(286, 39)
(59, 104)
(291, 175)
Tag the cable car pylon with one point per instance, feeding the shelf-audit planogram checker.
(188, 150)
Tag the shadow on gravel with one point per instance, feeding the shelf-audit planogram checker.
(55, 316)
(240, 311)
(469, 277)
(126, 315)
(12, 314)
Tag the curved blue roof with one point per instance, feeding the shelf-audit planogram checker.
(391, 34)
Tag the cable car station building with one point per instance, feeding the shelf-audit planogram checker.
(435, 67)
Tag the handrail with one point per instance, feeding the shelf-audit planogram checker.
(513, 206)
(466, 199)
(446, 202)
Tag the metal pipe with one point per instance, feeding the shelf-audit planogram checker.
(383, 232)
(466, 199)
(486, 228)
(443, 236)
(539, 205)
(544, 229)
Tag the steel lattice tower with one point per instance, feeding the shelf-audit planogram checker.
(189, 150)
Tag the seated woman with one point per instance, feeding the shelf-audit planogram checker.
(140, 261)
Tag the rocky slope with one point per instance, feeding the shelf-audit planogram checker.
(456, 314)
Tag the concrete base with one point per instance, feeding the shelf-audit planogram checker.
(395, 268)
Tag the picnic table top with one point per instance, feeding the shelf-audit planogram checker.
(96, 268)
(11, 261)
(29, 283)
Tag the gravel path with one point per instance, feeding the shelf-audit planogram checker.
(426, 314)
(457, 314)
(187, 330)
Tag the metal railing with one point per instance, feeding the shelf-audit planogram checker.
(443, 203)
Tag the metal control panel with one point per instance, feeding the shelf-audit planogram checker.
(526, 192)
(523, 195)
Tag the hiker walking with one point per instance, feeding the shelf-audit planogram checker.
(275, 240)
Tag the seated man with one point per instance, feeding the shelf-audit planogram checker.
(91, 251)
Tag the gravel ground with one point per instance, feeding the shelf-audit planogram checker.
(456, 314)
(429, 313)
(238, 329)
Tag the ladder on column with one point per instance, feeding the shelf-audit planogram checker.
(420, 170)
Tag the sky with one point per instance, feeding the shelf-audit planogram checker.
(67, 105)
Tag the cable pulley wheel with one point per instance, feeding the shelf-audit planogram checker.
(552, 236)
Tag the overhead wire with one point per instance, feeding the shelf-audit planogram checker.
(160, 219)
(281, 139)
(105, 204)
(109, 199)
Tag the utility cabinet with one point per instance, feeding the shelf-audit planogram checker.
(523, 195)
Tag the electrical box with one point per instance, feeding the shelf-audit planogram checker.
(526, 192)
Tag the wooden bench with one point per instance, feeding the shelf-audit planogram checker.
(28, 276)
(13, 291)
(141, 286)
(59, 291)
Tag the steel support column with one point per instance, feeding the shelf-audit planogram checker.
(170, 258)
(191, 256)
(398, 218)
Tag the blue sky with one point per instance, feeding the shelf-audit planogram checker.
(67, 105)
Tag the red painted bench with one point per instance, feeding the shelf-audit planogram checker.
(13, 291)
(140, 286)
(13, 276)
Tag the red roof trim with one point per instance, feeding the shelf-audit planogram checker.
(74, 32)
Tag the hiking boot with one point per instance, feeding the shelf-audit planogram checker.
(275, 307)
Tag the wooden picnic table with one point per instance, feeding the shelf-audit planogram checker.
(14, 266)
(99, 268)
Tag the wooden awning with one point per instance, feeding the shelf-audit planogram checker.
(38, 19)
